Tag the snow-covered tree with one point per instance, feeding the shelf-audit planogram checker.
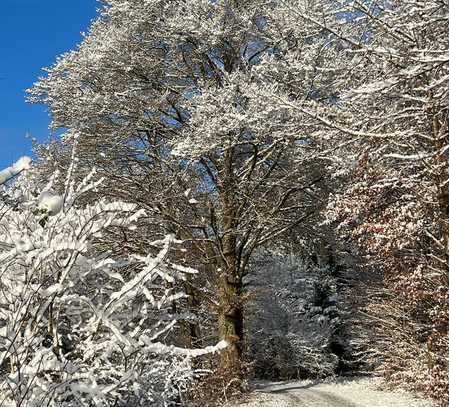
(178, 103)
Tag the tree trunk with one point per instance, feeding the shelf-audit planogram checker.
(230, 320)
(230, 287)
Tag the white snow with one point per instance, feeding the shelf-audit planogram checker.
(50, 203)
(23, 163)
(6, 174)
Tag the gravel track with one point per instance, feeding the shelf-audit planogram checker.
(341, 393)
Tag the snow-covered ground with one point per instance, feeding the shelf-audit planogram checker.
(342, 393)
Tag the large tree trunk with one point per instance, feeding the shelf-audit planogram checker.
(230, 320)
(230, 316)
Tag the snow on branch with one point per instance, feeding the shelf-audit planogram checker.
(10, 172)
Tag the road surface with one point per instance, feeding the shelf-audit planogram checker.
(342, 393)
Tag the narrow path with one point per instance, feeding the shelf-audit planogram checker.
(341, 393)
(317, 398)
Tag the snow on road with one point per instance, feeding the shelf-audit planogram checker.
(343, 393)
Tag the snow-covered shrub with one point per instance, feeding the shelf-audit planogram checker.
(294, 319)
(80, 326)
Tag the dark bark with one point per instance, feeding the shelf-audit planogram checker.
(230, 289)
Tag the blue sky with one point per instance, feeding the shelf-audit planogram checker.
(32, 34)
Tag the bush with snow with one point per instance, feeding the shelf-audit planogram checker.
(80, 326)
